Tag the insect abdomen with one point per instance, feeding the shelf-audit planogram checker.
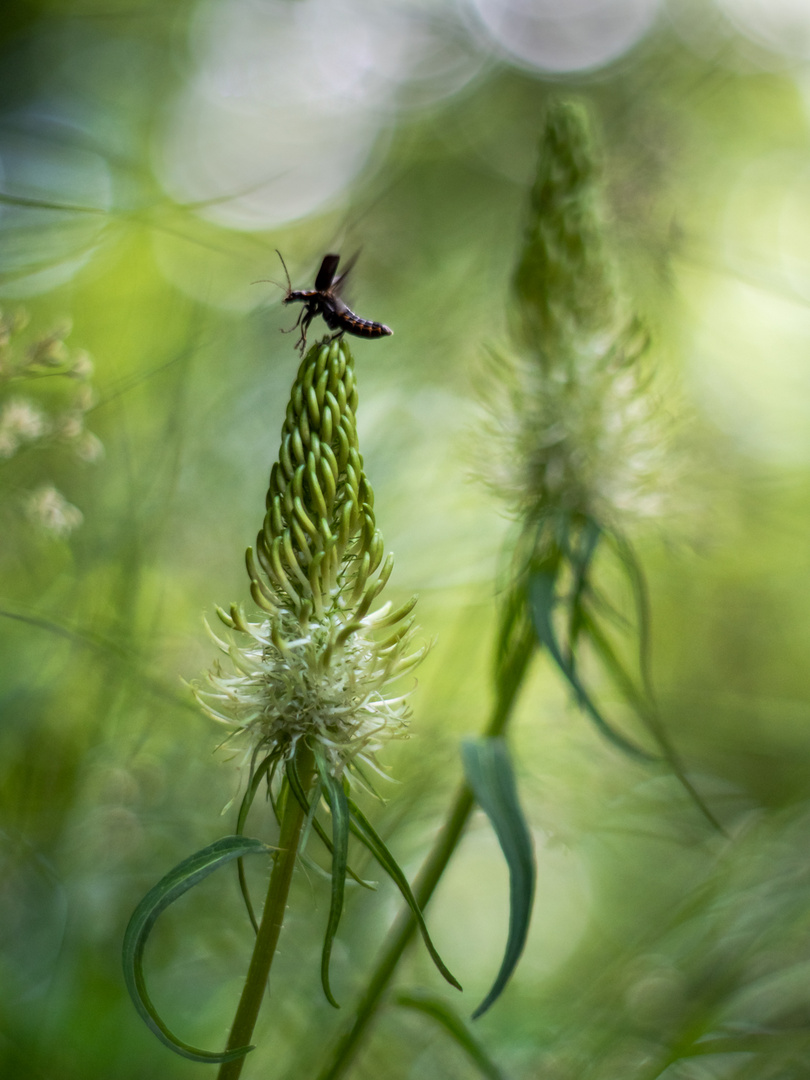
(353, 324)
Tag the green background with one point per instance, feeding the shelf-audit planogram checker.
(648, 930)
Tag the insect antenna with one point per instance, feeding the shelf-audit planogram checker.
(287, 289)
(286, 271)
(269, 281)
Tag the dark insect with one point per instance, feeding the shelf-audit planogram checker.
(324, 300)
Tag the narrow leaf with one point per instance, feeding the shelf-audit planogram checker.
(338, 804)
(364, 831)
(488, 769)
(542, 599)
(183, 877)
(635, 574)
(267, 765)
(303, 802)
(790, 1041)
(449, 1019)
(580, 559)
(646, 710)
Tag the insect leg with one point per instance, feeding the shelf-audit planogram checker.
(308, 316)
(297, 322)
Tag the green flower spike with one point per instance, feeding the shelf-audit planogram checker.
(308, 688)
(581, 439)
(577, 423)
(316, 667)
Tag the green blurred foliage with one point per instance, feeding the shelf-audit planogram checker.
(650, 933)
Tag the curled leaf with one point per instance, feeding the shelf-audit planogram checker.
(183, 877)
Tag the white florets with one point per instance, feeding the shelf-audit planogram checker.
(291, 683)
(584, 437)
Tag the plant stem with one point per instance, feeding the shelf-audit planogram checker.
(509, 682)
(272, 918)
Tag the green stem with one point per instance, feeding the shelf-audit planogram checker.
(272, 918)
(509, 681)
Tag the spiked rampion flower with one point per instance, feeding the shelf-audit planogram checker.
(576, 432)
(576, 423)
(317, 665)
(308, 688)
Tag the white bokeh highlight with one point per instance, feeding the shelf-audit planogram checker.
(66, 193)
(749, 358)
(579, 35)
(285, 101)
(782, 26)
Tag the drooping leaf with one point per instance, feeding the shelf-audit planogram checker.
(488, 769)
(365, 832)
(580, 558)
(338, 804)
(638, 583)
(646, 709)
(542, 600)
(621, 677)
(320, 832)
(183, 877)
(365, 780)
(453, 1024)
(268, 765)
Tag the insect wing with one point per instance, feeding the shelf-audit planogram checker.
(347, 269)
(326, 274)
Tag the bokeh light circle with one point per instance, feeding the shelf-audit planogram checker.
(285, 101)
(65, 193)
(782, 26)
(579, 35)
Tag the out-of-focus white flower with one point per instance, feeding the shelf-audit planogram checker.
(49, 509)
(51, 350)
(21, 421)
(89, 447)
(59, 379)
(587, 441)
(81, 365)
(70, 425)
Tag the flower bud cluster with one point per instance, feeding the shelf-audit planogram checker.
(317, 665)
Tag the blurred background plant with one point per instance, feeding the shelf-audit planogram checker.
(45, 394)
(151, 159)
